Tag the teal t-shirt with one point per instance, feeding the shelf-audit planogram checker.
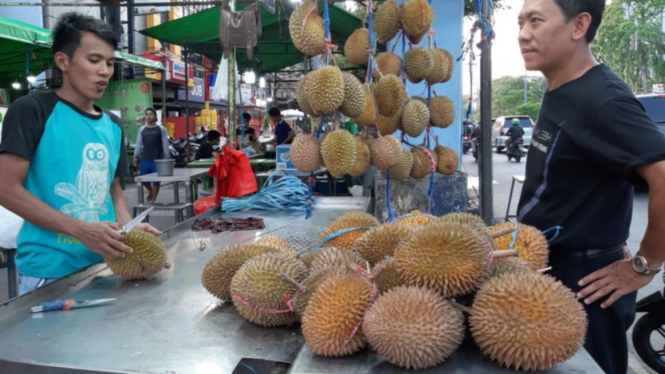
(74, 157)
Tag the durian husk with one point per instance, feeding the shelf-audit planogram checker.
(356, 48)
(326, 90)
(420, 98)
(386, 152)
(422, 166)
(381, 241)
(439, 67)
(416, 18)
(390, 95)
(258, 290)
(309, 257)
(302, 92)
(450, 67)
(415, 118)
(530, 243)
(402, 170)
(506, 265)
(312, 283)
(527, 321)
(416, 217)
(332, 258)
(147, 258)
(363, 159)
(448, 160)
(368, 116)
(388, 125)
(388, 278)
(305, 153)
(312, 41)
(419, 63)
(353, 219)
(387, 22)
(442, 112)
(334, 312)
(338, 151)
(387, 63)
(474, 221)
(354, 96)
(413, 328)
(277, 243)
(449, 257)
(219, 271)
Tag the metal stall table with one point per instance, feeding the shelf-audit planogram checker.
(166, 324)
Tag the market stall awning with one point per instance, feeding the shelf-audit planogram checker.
(136, 60)
(199, 32)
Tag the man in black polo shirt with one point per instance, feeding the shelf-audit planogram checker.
(592, 142)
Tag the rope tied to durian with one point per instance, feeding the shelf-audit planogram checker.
(340, 233)
(372, 61)
(287, 301)
(399, 35)
(432, 39)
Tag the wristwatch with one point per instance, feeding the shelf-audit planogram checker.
(641, 266)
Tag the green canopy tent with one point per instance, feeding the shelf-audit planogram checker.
(199, 32)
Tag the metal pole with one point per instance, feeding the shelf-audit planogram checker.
(485, 164)
(130, 26)
(164, 93)
(184, 56)
(526, 87)
(232, 89)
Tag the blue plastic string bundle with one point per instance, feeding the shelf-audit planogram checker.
(326, 20)
(514, 238)
(557, 230)
(285, 193)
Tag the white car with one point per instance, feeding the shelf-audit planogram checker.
(501, 126)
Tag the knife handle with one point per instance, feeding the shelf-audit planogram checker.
(58, 305)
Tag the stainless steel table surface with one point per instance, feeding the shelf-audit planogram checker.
(168, 324)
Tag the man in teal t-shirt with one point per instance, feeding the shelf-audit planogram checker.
(61, 158)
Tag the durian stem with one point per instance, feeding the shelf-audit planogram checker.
(501, 233)
(167, 265)
(508, 253)
(298, 287)
(461, 307)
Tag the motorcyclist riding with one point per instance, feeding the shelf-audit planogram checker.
(514, 132)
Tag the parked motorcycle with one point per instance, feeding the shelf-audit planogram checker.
(178, 150)
(516, 150)
(649, 331)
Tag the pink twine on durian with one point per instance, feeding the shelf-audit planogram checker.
(287, 300)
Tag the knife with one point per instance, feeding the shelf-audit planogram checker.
(68, 304)
(133, 223)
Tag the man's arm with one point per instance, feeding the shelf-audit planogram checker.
(653, 243)
(292, 134)
(102, 238)
(122, 215)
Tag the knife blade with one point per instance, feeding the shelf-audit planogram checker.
(131, 225)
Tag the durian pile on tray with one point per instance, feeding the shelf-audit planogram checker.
(412, 290)
(380, 103)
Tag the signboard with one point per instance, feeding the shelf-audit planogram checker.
(196, 93)
(132, 105)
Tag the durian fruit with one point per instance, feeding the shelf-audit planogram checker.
(527, 321)
(442, 112)
(277, 243)
(354, 96)
(333, 314)
(305, 290)
(147, 258)
(506, 265)
(413, 328)
(530, 243)
(326, 90)
(388, 278)
(302, 94)
(368, 116)
(420, 98)
(257, 289)
(309, 257)
(403, 168)
(449, 257)
(419, 63)
(332, 258)
(447, 159)
(219, 271)
(416, 217)
(311, 41)
(356, 48)
(439, 67)
(359, 221)
(422, 166)
(416, 17)
(363, 159)
(343, 63)
(388, 125)
(474, 221)
(387, 22)
(387, 63)
(450, 67)
(390, 95)
(338, 151)
(305, 153)
(380, 242)
(415, 118)
(386, 152)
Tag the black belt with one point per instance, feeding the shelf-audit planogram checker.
(565, 255)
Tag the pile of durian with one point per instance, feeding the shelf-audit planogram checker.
(383, 103)
(403, 289)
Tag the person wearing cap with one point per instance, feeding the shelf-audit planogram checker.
(514, 132)
(154, 142)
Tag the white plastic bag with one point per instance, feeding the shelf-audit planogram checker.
(10, 224)
(221, 89)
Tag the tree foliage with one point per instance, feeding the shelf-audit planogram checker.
(508, 96)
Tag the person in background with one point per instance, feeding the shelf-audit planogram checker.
(514, 132)
(207, 148)
(593, 142)
(250, 134)
(67, 187)
(153, 140)
(283, 132)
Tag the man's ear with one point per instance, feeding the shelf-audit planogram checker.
(581, 23)
(62, 61)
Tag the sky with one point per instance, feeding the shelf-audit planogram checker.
(506, 56)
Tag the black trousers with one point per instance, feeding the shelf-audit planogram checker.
(606, 339)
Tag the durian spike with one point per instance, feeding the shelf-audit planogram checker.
(297, 286)
(499, 234)
(461, 307)
(508, 253)
(167, 265)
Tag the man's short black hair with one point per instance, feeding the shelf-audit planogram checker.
(274, 112)
(247, 117)
(68, 29)
(151, 110)
(214, 135)
(573, 8)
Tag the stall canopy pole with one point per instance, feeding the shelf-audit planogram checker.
(184, 55)
(485, 162)
(232, 88)
(164, 92)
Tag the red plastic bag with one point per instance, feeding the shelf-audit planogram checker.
(204, 204)
(233, 173)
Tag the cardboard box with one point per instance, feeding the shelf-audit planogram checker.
(283, 159)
